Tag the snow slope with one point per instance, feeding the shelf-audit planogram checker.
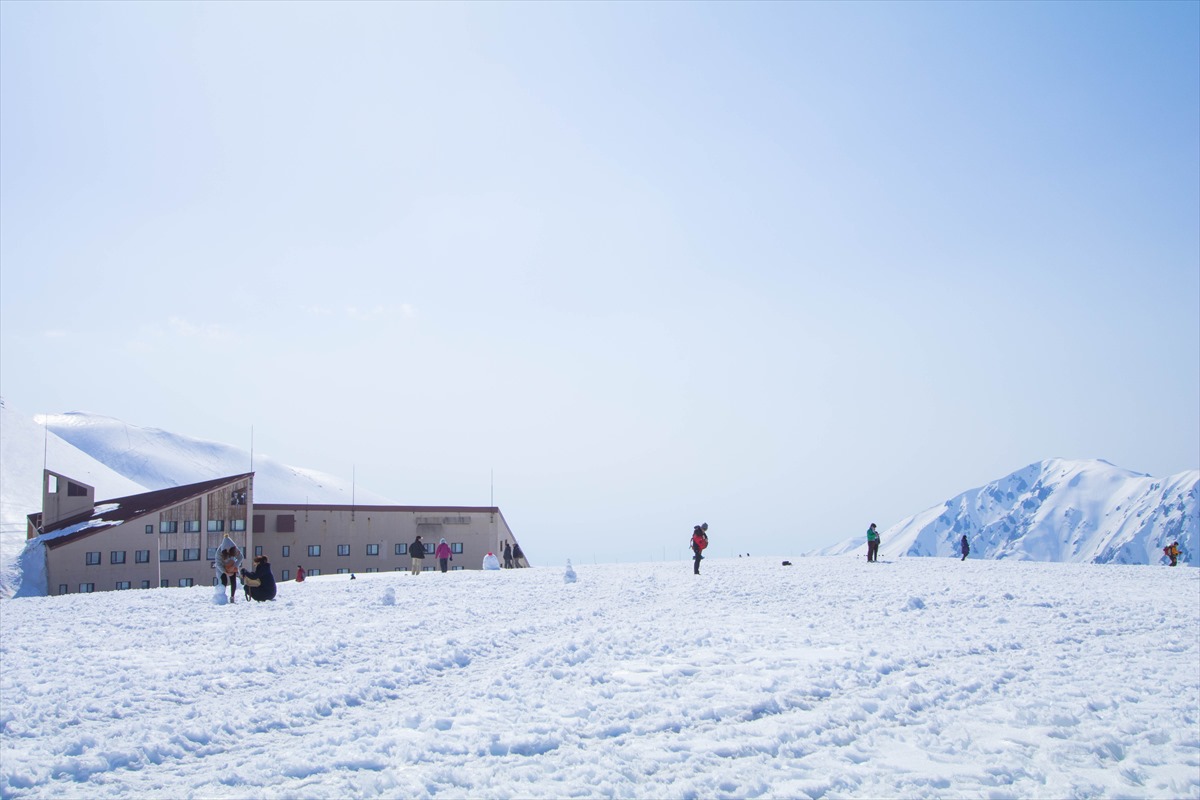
(158, 459)
(1056, 510)
(829, 678)
(25, 446)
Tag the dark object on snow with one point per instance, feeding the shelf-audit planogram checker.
(261, 582)
(698, 543)
(965, 546)
(787, 563)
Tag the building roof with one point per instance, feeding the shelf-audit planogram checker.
(110, 513)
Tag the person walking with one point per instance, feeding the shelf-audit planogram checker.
(417, 551)
(872, 543)
(443, 555)
(699, 543)
(507, 555)
(1172, 551)
(518, 556)
(965, 546)
(299, 574)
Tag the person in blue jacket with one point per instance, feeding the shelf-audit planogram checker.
(261, 575)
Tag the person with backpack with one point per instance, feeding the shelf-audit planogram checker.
(1172, 551)
(872, 544)
(699, 542)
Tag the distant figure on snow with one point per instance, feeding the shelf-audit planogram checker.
(569, 576)
(260, 583)
(699, 542)
(872, 543)
(443, 555)
(518, 556)
(490, 561)
(299, 574)
(507, 555)
(1172, 551)
(228, 561)
(965, 546)
(417, 551)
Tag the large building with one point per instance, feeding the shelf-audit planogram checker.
(170, 537)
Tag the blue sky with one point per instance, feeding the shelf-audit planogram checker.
(787, 268)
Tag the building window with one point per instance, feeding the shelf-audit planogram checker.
(258, 549)
(165, 583)
(141, 556)
(372, 549)
(62, 588)
(191, 554)
(149, 529)
(211, 554)
(372, 569)
(260, 523)
(191, 526)
(124, 585)
(186, 582)
(314, 550)
(343, 550)
(116, 557)
(401, 549)
(216, 526)
(287, 575)
(92, 559)
(456, 548)
(145, 584)
(287, 551)
(237, 524)
(167, 555)
(52, 484)
(343, 571)
(312, 573)
(238, 497)
(285, 523)
(456, 569)
(75, 490)
(168, 526)
(84, 588)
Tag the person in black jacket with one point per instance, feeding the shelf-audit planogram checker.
(417, 551)
(965, 546)
(265, 590)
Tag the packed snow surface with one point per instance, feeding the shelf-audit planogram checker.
(830, 678)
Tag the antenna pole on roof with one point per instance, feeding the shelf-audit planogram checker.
(45, 447)
(492, 488)
(353, 481)
(252, 448)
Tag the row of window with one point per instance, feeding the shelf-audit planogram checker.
(165, 583)
(95, 558)
(193, 526)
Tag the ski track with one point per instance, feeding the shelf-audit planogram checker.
(831, 678)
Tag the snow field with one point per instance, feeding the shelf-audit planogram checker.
(830, 678)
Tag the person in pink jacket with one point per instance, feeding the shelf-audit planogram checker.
(442, 554)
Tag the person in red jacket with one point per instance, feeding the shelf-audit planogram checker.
(442, 553)
(299, 574)
(699, 542)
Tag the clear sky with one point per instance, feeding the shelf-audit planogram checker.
(785, 268)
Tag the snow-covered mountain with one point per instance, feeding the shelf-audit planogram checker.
(121, 459)
(1056, 510)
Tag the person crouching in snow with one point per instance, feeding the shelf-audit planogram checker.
(442, 553)
(228, 561)
(260, 584)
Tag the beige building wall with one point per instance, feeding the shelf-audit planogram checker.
(365, 538)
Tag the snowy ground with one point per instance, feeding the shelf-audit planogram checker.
(830, 678)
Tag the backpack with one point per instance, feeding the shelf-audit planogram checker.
(699, 541)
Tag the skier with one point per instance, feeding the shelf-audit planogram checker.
(872, 543)
(965, 546)
(699, 542)
(1172, 551)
